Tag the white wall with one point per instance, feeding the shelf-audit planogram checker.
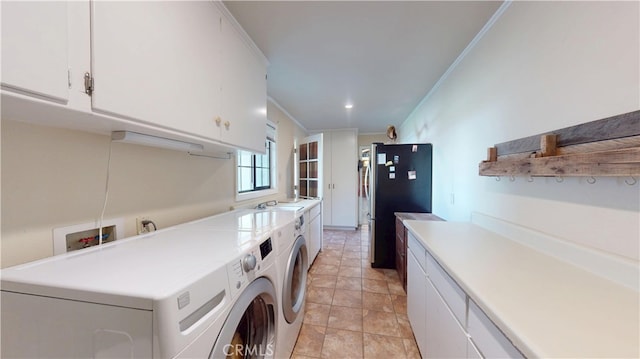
(541, 66)
(54, 177)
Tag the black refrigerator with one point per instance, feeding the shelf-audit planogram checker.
(399, 181)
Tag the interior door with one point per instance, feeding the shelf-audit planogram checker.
(310, 169)
(344, 174)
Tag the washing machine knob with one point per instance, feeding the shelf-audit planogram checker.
(249, 262)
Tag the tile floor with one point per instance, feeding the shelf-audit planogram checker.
(353, 310)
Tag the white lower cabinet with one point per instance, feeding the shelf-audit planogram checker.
(445, 321)
(487, 337)
(315, 232)
(416, 303)
(445, 338)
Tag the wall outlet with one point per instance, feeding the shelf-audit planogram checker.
(140, 229)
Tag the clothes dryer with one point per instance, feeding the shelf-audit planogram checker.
(177, 292)
(292, 264)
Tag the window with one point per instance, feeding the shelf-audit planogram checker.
(256, 171)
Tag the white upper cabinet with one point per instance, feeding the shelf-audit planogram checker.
(159, 63)
(184, 69)
(35, 49)
(243, 92)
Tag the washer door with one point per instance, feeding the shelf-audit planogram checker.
(250, 328)
(295, 280)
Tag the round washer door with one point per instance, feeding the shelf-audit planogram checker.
(250, 328)
(295, 280)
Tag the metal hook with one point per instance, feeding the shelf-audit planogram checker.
(591, 180)
(498, 178)
(631, 183)
(512, 178)
(560, 179)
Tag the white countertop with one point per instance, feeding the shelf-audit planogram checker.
(546, 307)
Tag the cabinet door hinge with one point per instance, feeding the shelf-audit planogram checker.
(88, 83)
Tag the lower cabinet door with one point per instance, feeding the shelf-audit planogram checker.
(445, 338)
(416, 303)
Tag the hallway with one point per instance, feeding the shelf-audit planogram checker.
(353, 310)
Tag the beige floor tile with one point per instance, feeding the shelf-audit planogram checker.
(350, 271)
(350, 283)
(411, 348)
(347, 298)
(310, 340)
(383, 347)
(372, 285)
(342, 344)
(324, 281)
(366, 263)
(350, 247)
(396, 288)
(405, 326)
(373, 273)
(377, 301)
(391, 275)
(399, 303)
(350, 262)
(382, 323)
(325, 260)
(316, 314)
(326, 269)
(332, 253)
(345, 318)
(354, 255)
(320, 295)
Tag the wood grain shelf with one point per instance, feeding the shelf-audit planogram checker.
(606, 147)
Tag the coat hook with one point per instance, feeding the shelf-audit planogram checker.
(591, 180)
(633, 181)
(560, 179)
(512, 178)
(498, 178)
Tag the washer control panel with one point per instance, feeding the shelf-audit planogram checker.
(249, 266)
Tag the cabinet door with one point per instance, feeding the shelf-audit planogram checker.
(327, 164)
(158, 62)
(35, 48)
(416, 304)
(344, 179)
(315, 237)
(444, 336)
(243, 92)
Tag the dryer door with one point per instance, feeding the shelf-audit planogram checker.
(250, 328)
(295, 280)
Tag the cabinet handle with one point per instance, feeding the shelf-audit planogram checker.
(218, 120)
(227, 124)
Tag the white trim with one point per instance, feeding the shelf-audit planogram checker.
(247, 39)
(463, 54)
(276, 104)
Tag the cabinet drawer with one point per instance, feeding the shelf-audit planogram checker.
(418, 251)
(486, 336)
(448, 289)
(315, 211)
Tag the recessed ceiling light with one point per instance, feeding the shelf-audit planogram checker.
(348, 106)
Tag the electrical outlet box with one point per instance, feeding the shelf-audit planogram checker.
(141, 228)
(71, 238)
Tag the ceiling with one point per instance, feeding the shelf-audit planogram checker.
(381, 56)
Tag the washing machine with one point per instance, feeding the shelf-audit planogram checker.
(179, 292)
(292, 264)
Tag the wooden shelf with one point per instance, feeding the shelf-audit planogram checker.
(607, 147)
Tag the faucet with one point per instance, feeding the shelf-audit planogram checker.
(262, 205)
